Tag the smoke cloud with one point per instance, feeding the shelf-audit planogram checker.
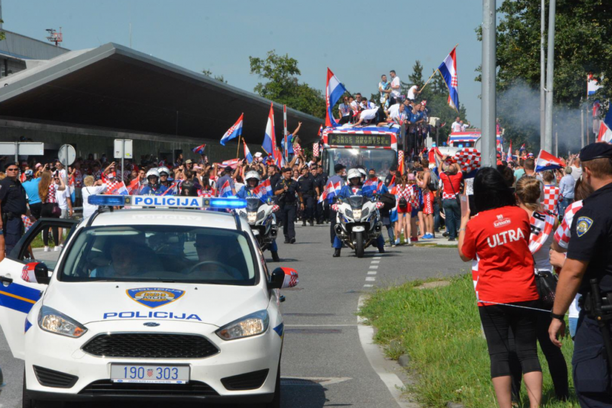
(519, 111)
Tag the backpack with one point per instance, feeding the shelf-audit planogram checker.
(403, 204)
(433, 181)
(388, 200)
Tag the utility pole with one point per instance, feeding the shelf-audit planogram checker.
(542, 74)
(581, 128)
(550, 77)
(489, 31)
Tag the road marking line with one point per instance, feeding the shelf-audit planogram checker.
(370, 279)
(377, 258)
(320, 325)
(377, 360)
(368, 286)
(375, 262)
(372, 272)
(373, 266)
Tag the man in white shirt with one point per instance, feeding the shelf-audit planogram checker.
(576, 169)
(344, 110)
(397, 112)
(384, 88)
(396, 86)
(464, 126)
(456, 126)
(413, 92)
(365, 104)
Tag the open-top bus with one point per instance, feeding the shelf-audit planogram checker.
(371, 147)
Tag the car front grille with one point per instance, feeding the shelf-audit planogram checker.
(150, 345)
(55, 379)
(107, 387)
(248, 381)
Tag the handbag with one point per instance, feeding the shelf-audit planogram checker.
(56, 211)
(546, 283)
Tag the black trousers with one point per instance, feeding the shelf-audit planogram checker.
(309, 208)
(332, 224)
(554, 358)
(288, 215)
(35, 210)
(47, 212)
(497, 320)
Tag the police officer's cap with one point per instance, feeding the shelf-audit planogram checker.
(339, 167)
(596, 151)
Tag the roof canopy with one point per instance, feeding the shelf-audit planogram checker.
(115, 87)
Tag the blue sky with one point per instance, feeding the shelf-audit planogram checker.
(358, 40)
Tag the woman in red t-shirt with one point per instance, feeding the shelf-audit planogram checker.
(498, 238)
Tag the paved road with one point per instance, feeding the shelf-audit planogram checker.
(324, 363)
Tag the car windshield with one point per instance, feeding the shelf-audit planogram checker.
(166, 253)
(380, 160)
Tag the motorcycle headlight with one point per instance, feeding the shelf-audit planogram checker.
(365, 212)
(349, 213)
(52, 321)
(251, 217)
(251, 325)
(357, 214)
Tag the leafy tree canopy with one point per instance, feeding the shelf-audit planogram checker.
(583, 44)
(282, 85)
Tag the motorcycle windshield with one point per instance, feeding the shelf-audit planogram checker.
(356, 202)
(253, 204)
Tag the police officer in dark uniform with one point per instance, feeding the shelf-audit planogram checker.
(310, 192)
(588, 271)
(335, 179)
(13, 204)
(287, 192)
(320, 180)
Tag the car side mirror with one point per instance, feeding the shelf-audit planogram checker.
(283, 278)
(36, 272)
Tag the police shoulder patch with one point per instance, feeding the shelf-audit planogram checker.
(583, 224)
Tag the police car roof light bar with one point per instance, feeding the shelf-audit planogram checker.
(226, 203)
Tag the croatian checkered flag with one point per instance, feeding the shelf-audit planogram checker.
(468, 159)
(315, 150)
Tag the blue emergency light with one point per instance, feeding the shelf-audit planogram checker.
(226, 203)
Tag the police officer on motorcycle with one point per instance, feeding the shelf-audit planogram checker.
(252, 179)
(588, 271)
(153, 187)
(355, 187)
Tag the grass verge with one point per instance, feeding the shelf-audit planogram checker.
(440, 330)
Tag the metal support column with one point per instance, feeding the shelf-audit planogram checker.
(550, 73)
(489, 31)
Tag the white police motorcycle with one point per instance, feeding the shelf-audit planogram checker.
(260, 216)
(358, 223)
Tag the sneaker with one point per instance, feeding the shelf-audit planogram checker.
(409, 242)
(452, 239)
(397, 241)
(446, 234)
(393, 246)
(427, 236)
(56, 248)
(46, 249)
(414, 239)
(292, 241)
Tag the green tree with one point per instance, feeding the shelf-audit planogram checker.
(209, 73)
(583, 44)
(283, 86)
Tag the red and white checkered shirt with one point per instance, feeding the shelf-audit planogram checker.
(51, 195)
(551, 198)
(405, 192)
(563, 233)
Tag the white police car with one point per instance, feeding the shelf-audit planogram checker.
(148, 303)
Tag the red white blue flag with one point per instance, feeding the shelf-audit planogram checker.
(263, 190)
(226, 189)
(448, 70)
(605, 128)
(199, 149)
(333, 92)
(233, 132)
(247, 153)
(547, 161)
(592, 85)
(509, 156)
(269, 142)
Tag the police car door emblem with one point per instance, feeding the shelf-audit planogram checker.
(154, 297)
(583, 225)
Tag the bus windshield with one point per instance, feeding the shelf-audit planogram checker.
(380, 160)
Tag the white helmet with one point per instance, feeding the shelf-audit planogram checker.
(363, 173)
(163, 169)
(353, 173)
(252, 175)
(152, 172)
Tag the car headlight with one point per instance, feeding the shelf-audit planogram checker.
(251, 325)
(52, 321)
(357, 214)
(252, 217)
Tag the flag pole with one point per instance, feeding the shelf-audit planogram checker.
(432, 75)
(238, 147)
(285, 133)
